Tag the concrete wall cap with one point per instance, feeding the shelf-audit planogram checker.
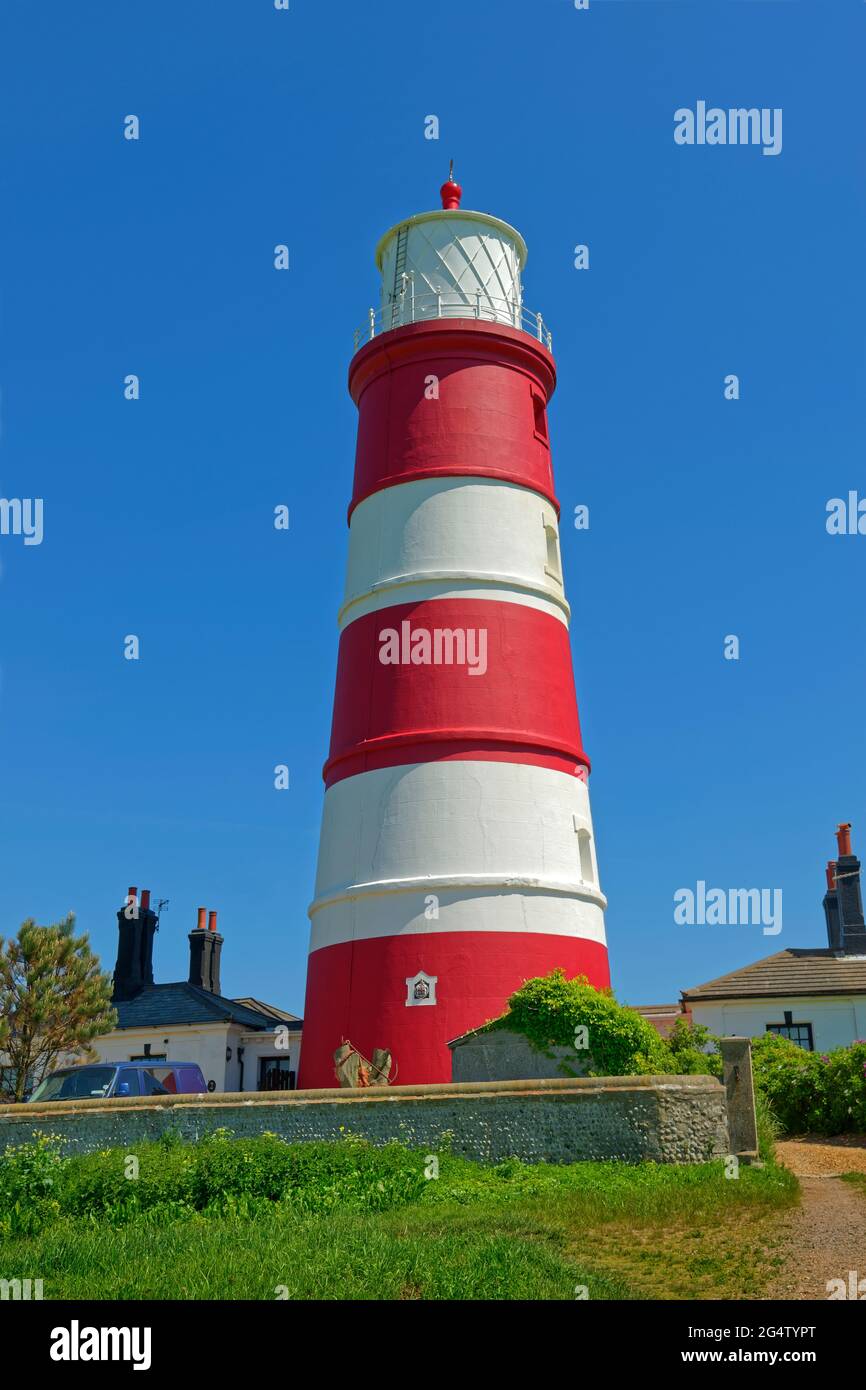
(546, 1088)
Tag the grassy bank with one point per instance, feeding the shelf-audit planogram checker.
(263, 1219)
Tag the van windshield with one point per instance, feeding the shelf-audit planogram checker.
(75, 1083)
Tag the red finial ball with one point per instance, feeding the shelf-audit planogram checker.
(451, 194)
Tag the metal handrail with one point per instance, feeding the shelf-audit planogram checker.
(409, 307)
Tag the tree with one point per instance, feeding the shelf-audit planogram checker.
(54, 1000)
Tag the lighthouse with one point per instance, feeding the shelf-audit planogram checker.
(457, 856)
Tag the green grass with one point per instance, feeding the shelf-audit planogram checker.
(604, 1192)
(239, 1219)
(338, 1257)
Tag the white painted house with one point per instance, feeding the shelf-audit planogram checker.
(240, 1044)
(816, 997)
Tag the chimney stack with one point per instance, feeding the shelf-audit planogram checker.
(136, 925)
(205, 949)
(848, 895)
(216, 953)
(831, 909)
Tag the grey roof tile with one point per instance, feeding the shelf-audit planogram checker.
(796, 972)
(158, 1006)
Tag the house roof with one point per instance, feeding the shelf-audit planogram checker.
(157, 1006)
(291, 1021)
(794, 972)
(662, 1017)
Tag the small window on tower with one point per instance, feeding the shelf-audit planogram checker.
(539, 417)
(421, 989)
(584, 849)
(552, 564)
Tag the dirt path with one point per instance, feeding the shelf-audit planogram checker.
(825, 1237)
(819, 1157)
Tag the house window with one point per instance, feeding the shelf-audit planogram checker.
(275, 1074)
(799, 1033)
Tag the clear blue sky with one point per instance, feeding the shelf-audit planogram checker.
(707, 516)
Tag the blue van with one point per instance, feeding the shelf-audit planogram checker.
(99, 1080)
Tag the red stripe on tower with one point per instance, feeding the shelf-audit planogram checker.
(457, 855)
(486, 692)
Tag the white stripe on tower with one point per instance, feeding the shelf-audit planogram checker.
(446, 536)
(503, 846)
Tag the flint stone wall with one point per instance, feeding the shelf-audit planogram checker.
(666, 1119)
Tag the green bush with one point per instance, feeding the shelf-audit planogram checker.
(120, 1184)
(353, 1174)
(687, 1044)
(549, 1009)
(812, 1092)
(29, 1183)
(218, 1175)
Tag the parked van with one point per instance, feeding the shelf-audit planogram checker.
(99, 1080)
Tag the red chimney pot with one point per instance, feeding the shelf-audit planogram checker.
(831, 875)
(145, 899)
(202, 914)
(211, 921)
(131, 893)
(843, 838)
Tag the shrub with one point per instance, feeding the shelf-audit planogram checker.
(30, 1177)
(218, 1175)
(812, 1092)
(549, 1009)
(687, 1044)
(120, 1184)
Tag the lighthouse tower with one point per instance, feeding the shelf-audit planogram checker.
(457, 856)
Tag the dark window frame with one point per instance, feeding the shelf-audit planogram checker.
(786, 1029)
(539, 417)
(283, 1062)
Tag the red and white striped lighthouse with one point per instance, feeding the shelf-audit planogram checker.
(457, 855)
